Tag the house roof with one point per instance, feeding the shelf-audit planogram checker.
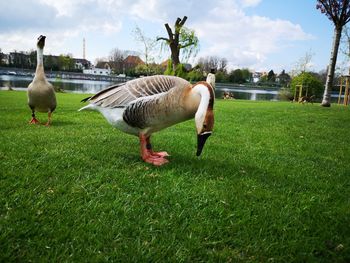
(103, 64)
(134, 60)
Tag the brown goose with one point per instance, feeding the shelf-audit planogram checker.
(147, 105)
(41, 94)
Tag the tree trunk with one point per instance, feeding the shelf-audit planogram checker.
(175, 56)
(326, 101)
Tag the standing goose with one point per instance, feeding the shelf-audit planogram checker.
(147, 105)
(41, 94)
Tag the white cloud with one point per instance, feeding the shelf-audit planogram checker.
(250, 3)
(223, 27)
(245, 40)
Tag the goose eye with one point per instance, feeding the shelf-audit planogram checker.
(204, 126)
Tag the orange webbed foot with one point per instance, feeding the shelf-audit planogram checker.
(160, 154)
(34, 121)
(148, 155)
(157, 161)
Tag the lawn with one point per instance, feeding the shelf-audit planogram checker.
(272, 185)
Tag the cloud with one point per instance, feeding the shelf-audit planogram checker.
(223, 27)
(245, 40)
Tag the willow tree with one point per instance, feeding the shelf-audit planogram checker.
(182, 39)
(338, 11)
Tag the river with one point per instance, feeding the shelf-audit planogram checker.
(93, 86)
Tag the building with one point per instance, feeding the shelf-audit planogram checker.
(256, 76)
(5, 59)
(104, 71)
(130, 62)
(81, 63)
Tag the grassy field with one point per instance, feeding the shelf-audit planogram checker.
(272, 185)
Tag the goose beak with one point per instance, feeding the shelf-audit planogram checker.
(41, 41)
(201, 139)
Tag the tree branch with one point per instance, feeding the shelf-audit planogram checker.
(163, 38)
(178, 20)
(170, 32)
(187, 45)
(183, 21)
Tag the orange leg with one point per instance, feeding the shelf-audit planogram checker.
(49, 119)
(147, 154)
(33, 120)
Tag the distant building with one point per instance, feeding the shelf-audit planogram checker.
(98, 70)
(256, 76)
(5, 60)
(81, 63)
(131, 62)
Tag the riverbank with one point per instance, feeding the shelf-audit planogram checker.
(63, 75)
(271, 185)
(116, 78)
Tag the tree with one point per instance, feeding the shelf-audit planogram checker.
(65, 63)
(51, 62)
(271, 76)
(208, 63)
(246, 74)
(116, 60)
(338, 11)
(284, 78)
(303, 64)
(149, 45)
(236, 76)
(212, 62)
(182, 39)
(311, 84)
(222, 65)
(1, 57)
(345, 49)
(32, 58)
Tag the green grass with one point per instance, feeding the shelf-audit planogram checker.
(272, 185)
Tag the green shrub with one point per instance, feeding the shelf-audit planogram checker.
(311, 84)
(195, 75)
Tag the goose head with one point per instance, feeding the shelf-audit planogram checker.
(41, 41)
(204, 117)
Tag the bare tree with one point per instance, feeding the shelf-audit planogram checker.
(303, 64)
(149, 46)
(338, 11)
(116, 60)
(208, 63)
(222, 64)
(181, 39)
(212, 62)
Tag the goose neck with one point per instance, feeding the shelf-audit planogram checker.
(40, 56)
(40, 63)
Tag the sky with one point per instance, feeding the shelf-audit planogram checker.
(257, 34)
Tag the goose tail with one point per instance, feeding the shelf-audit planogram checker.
(86, 99)
(90, 107)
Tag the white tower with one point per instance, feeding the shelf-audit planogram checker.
(84, 54)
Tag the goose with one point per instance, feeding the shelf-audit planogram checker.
(211, 78)
(147, 105)
(41, 94)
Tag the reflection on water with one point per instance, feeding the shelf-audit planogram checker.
(68, 85)
(92, 86)
(246, 94)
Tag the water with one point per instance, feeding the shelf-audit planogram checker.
(246, 93)
(93, 86)
(68, 85)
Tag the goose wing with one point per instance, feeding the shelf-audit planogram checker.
(121, 95)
